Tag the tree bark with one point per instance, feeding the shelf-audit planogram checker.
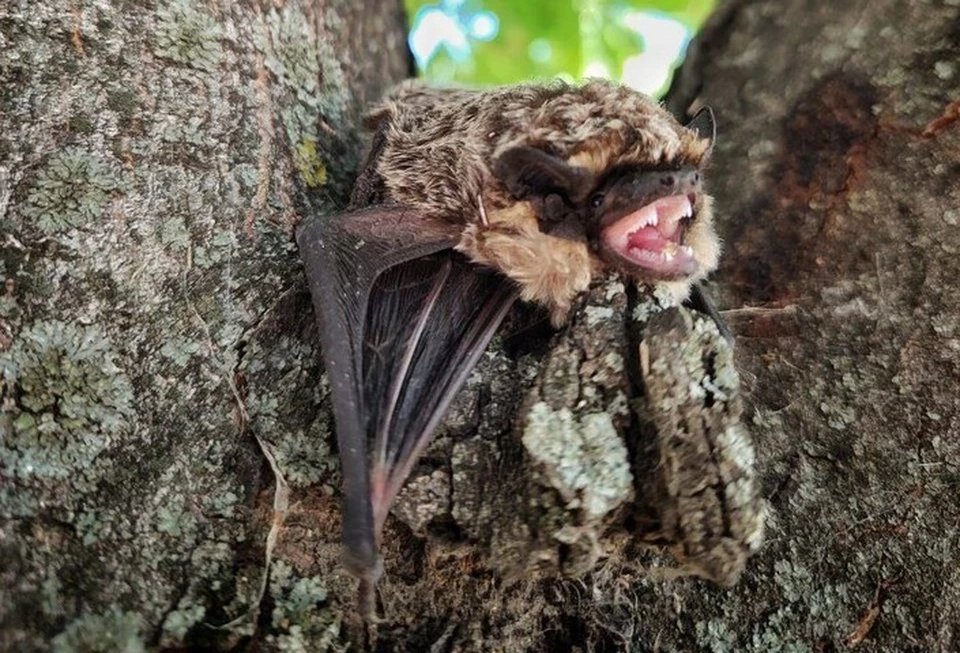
(154, 159)
(152, 165)
(837, 184)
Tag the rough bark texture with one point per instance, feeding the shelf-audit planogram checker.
(152, 164)
(837, 184)
(154, 158)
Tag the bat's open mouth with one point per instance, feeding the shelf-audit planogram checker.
(652, 237)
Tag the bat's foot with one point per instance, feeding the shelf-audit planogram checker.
(367, 602)
(367, 575)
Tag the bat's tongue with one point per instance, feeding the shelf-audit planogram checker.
(652, 237)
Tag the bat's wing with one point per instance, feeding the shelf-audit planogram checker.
(403, 320)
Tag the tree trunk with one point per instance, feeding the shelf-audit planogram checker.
(837, 184)
(155, 321)
(154, 159)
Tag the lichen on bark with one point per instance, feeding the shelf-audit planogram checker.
(152, 164)
(148, 193)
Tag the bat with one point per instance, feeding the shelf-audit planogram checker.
(470, 200)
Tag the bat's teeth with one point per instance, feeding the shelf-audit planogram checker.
(646, 217)
(687, 250)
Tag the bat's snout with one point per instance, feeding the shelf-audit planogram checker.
(646, 186)
(683, 181)
(644, 220)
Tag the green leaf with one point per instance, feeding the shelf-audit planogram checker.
(536, 40)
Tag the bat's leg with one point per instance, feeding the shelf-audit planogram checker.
(700, 300)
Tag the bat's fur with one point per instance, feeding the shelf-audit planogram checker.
(439, 145)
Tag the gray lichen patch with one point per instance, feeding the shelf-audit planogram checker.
(302, 618)
(178, 623)
(71, 190)
(187, 34)
(282, 373)
(216, 563)
(422, 499)
(305, 457)
(824, 608)
(652, 301)
(293, 57)
(560, 378)
(702, 486)
(309, 90)
(583, 459)
(112, 631)
(64, 400)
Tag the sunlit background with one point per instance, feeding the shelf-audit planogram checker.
(483, 42)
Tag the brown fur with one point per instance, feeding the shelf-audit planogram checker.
(551, 271)
(440, 144)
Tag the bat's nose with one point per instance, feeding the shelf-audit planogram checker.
(683, 181)
(655, 183)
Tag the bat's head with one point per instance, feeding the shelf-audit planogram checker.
(641, 210)
(649, 219)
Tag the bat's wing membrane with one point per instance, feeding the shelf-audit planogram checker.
(429, 321)
(403, 320)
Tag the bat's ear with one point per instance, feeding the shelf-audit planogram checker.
(528, 172)
(704, 124)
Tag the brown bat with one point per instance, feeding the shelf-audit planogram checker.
(470, 199)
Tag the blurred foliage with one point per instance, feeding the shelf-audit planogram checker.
(482, 42)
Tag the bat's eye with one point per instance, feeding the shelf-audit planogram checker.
(596, 201)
